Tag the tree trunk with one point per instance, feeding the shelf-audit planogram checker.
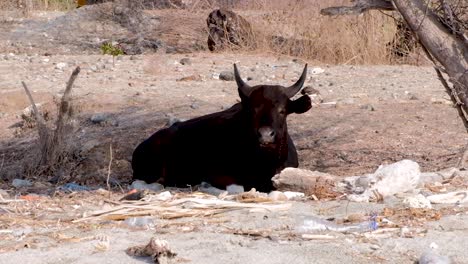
(446, 48)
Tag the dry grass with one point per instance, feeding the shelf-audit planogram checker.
(297, 29)
(293, 28)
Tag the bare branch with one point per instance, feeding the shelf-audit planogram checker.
(38, 117)
(360, 7)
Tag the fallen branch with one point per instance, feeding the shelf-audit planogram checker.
(360, 7)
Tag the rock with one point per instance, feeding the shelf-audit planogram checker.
(317, 70)
(172, 120)
(99, 118)
(61, 66)
(185, 61)
(194, 106)
(207, 188)
(196, 77)
(387, 180)
(226, 76)
(368, 107)
(294, 195)
(19, 183)
(399, 177)
(417, 201)
(226, 29)
(141, 185)
(430, 257)
(277, 196)
(310, 90)
(457, 197)
(234, 189)
(305, 181)
(429, 177)
(140, 222)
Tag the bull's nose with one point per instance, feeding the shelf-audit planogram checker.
(267, 135)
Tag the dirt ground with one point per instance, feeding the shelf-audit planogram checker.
(370, 115)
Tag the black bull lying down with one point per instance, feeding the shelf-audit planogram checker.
(246, 144)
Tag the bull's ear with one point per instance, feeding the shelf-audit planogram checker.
(300, 105)
(244, 89)
(295, 88)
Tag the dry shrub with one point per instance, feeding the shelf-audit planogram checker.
(299, 30)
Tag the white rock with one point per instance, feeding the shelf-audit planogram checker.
(417, 201)
(430, 257)
(399, 177)
(317, 70)
(164, 196)
(277, 196)
(61, 66)
(449, 198)
(293, 195)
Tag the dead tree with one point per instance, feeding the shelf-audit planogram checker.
(442, 38)
(52, 142)
(446, 47)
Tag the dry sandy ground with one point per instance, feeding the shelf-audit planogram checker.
(370, 115)
(411, 119)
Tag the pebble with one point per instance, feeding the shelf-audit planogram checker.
(18, 183)
(98, 118)
(61, 66)
(141, 185)
(226, 76)
(417, 201)
(186, 61)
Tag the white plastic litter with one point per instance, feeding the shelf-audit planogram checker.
(449, 198)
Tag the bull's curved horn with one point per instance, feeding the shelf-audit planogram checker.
(241, 85)
(295, 88)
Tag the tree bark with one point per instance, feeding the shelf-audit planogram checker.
(450, 51)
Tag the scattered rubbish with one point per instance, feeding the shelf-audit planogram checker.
(277, 196)
(430, 257)
(140, 222)
(157, 249)
(142, 185)
(294, 195)
(103, 243)
(252, 196)
(207, 188)
(315, 224)
(19, 183)
(163, 196)
(417, 201)
(30, 197)
(317, 237)
(135, 195)
(235, 189)
(449, 198)
(388, 180)
(196, 204)
(73, 187)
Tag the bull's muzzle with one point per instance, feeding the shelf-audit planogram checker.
(266, 135)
